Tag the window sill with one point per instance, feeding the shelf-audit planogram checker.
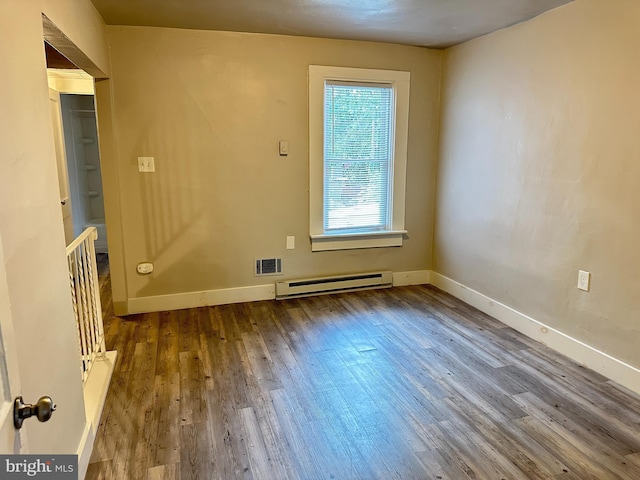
(348, 241)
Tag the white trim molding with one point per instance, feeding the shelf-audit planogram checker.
(97, 385)
(394, 233)
(85, 448)
(225, 296)
(178, 301)
(391, 238)
(603, 363)
(70, 81)
(418, 277)
(95, 395)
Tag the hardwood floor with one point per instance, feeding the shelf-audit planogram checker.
(404, 383)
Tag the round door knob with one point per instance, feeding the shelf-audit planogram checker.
(43, 410)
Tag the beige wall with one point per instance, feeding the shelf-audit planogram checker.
(211, 107)
(30, 219)
(539, 168)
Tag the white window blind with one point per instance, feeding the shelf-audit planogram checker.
(358, 131)
(358, 155)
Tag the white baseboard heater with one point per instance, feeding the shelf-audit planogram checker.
(335, 284)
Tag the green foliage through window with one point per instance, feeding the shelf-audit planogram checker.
(358, 146)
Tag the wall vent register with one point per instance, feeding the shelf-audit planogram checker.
(268, 266)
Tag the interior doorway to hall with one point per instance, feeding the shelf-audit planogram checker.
(80, 179)
(72, 99)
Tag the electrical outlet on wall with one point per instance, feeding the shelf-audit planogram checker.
(145, 268)
(291, 242)
(584, 280)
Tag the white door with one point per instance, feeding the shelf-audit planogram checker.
(61, 161)
(11, 440)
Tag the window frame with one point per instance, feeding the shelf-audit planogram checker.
(394, 235)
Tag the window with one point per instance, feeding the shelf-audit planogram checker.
(358, 121)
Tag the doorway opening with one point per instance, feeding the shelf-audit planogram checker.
(71, 91)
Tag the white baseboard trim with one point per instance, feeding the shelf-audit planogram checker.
(95, 394)
(85, 448)
(603, 363)
(96, 387)
(418, 277)
(178, 301)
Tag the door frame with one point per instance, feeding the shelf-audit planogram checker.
(108, 165)
(11, 440)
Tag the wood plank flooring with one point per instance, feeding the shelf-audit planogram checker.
(402, 383)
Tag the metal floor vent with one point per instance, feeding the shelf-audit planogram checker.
(268, 266)
(340, 283)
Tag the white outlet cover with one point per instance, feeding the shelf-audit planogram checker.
(584, 280)
(145, 268)
(291, 243)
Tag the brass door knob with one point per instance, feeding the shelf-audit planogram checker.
(43, 410)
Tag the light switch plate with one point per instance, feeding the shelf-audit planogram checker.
(291, 243)
(283, 147)
(146, 164)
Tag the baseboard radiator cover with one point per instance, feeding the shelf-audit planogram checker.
(334, 284)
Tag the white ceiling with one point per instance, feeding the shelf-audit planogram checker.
(431, 23)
